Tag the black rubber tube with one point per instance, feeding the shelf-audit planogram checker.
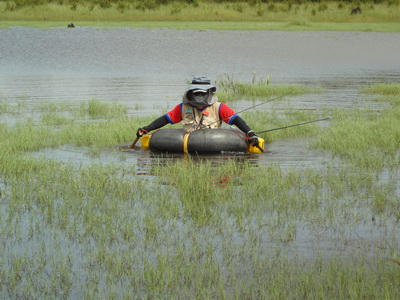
(216, 141)
(205, 141)
(167, 140)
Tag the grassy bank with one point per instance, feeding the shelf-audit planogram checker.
(203, 16)
(193, 227)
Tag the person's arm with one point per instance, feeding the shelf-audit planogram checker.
(229, 116)
(157, 123)
(242, 125)
(172, 117)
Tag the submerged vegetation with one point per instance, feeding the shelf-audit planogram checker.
(194, 227)
(248, 15)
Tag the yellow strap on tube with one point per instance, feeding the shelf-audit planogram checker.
(185, 143)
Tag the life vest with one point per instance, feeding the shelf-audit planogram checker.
(195, 119)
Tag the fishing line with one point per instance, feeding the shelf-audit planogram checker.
(281, 96)
(264, 131)
(270, 100)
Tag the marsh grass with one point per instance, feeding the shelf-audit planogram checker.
(13, 107)
(193, 228)
(4, 108)
(384, 89)
(55, 119)
(231, 88)
(368, 139)
(96, 109)
(266, 120)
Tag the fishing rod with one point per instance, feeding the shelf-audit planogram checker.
(251, 107)
(269, 130)
(273, 99)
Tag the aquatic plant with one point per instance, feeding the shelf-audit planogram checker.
(195, 227)
(231, 88)
(384, 89)
(96, 109)
(271, 119)
(366, 137)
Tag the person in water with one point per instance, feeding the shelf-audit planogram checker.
(200, 109)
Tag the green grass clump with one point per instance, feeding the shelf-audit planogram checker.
(4, 107)
(384, 89)
(96, 109)
(233, 89)
(365, 137)
(13, 107)
(200, 194)
(62, 124)
(271, 119)
(55, 119)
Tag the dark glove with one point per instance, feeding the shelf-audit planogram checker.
(253, 138)
(141, 131)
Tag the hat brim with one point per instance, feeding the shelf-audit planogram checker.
(199, 91)
(201, 87)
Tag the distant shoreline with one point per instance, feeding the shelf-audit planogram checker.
(331, 16)
(278, 26)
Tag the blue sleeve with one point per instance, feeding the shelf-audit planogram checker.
(169, 119)
(231, 119)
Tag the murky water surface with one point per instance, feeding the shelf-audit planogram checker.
(146, 70)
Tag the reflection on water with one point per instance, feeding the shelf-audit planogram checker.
(288, 153)
(142, 159)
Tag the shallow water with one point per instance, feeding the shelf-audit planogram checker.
(149, 66)
(147, 69)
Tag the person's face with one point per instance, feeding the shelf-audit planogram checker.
(198, 98)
